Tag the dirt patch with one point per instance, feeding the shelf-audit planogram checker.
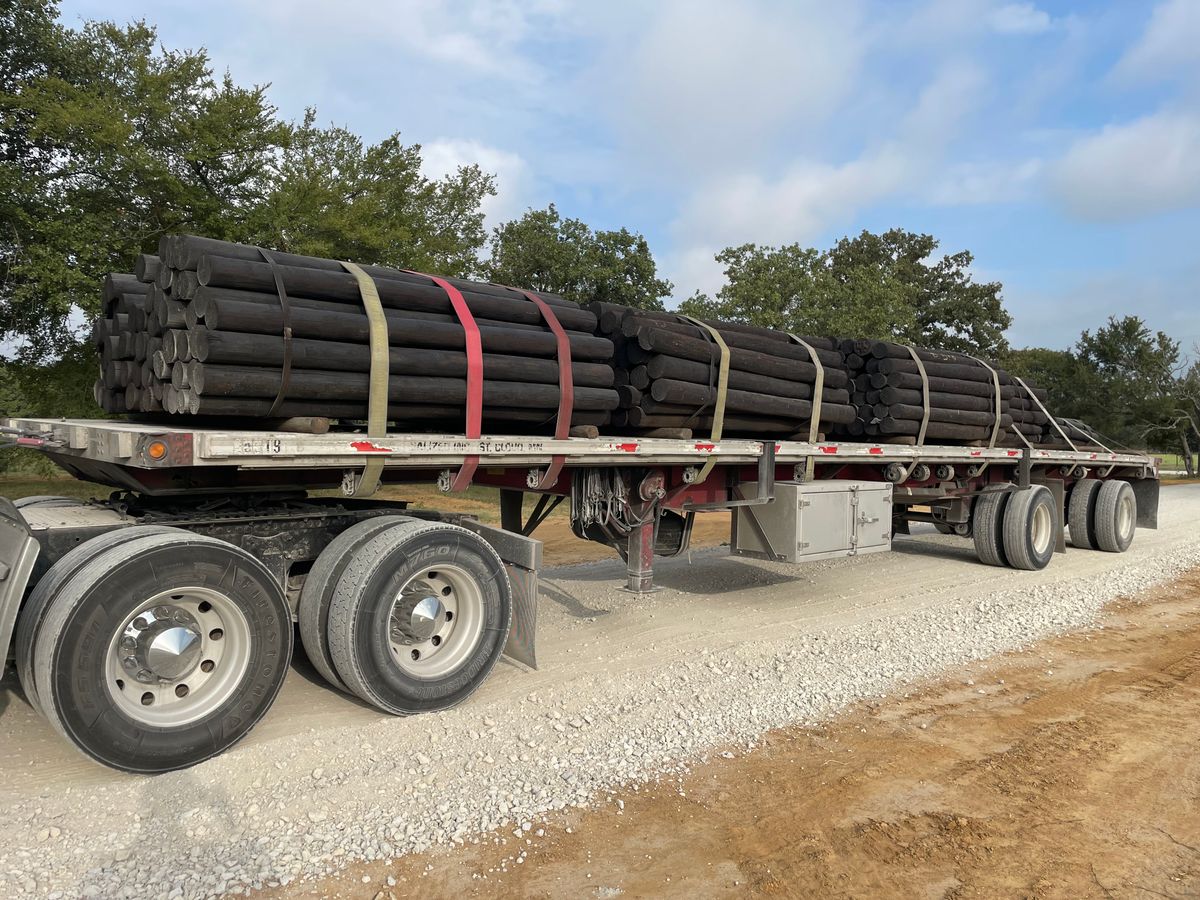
(1068, 770)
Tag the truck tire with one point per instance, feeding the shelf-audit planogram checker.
(419, 617)
(162, 651)
(1081, 513)
(1031, 528)
(317, 593)
(1116, 516)
(34, 611)
(987, 527)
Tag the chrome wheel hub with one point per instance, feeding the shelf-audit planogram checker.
(418, 615)
(161, 644)
(436, 621)
(178, 656)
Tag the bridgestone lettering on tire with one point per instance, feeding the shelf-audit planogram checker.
(135, 588)
(1031, 528)
(1081, 514)
(1115, 516)
(987, 521)
(34, 610)
(384, 582)
(318, 591)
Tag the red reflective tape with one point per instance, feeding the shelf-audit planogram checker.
(566, 384)
(474, 347)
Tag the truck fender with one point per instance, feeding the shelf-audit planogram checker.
(18, 552)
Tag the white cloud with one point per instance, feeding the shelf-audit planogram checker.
(469, 36)
(1136, 169)
(811, 196)
(513, 183)
(977, 183)
(1170, 42)
(702, 81)
(693, 269)
(1019, 18)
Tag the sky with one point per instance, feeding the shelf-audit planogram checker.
(1058, 142)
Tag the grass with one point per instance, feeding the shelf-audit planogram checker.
(16, 486)
(1170, 460)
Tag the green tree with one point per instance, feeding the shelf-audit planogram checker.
(333, 195)
(108, 141)
(1069, 382)
(545, 252)
(882, 286)
(1135, 380)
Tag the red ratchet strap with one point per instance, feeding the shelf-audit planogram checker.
(566, 386)
(474, 346)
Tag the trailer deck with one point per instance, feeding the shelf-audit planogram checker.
(130, 444)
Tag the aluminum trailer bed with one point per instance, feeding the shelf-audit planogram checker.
(213, 545)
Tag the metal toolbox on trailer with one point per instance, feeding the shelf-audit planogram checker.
(816, 520)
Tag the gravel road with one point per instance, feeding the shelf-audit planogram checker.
(630, 688)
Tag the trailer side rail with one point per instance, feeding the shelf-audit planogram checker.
(151, 446)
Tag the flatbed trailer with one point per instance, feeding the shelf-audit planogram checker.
(154, 628)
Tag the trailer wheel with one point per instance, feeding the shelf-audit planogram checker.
(1031, 528)
(1081, 513)
(29, 621)
(987, 527)
(318, 591)
(419, 617)
(1116, 516)
(162, 651)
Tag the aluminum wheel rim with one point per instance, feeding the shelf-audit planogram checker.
(1041, 528)
(165, 692)
(452, 639)
(1125, 516)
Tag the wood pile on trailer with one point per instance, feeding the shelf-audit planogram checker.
(213, 328)
(668, 371)
(969, 400)
(217, 329)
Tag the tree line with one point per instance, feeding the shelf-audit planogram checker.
(108, 140)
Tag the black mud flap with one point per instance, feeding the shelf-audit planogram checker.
(1145, 492)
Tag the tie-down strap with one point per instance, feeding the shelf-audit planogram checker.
(718, 424)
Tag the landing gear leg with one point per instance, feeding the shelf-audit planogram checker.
(639, 559)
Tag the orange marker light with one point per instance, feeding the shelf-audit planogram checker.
(156, 450)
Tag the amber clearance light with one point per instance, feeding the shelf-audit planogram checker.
(156, 450)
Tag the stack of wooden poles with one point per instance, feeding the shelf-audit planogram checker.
(888, 394)
(199, 330)
(212, 328)
(668, 376)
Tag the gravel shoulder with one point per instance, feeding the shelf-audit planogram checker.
(630, 689)
(1064, 770)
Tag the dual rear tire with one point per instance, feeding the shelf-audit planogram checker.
(1018, 529)
(408, 615)
(153, 648)
(1102, 515)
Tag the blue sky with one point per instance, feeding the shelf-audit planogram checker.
(1059, 142)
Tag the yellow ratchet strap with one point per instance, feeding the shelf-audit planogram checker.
(377, 395)
(722, 392)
